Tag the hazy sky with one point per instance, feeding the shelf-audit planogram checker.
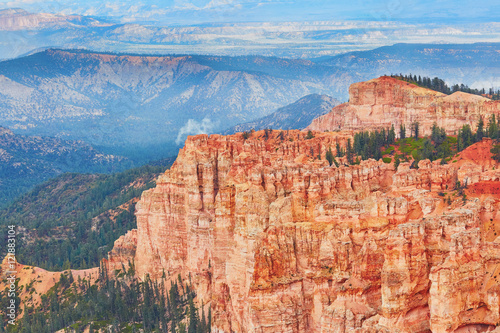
(168, 12)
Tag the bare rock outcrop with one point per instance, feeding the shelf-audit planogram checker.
(386, 101)
(278, 240)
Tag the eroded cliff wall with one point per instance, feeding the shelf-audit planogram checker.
(386, 101)
(278, 240)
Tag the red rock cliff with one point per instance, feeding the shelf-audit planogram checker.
(386, 101)
(279, 241)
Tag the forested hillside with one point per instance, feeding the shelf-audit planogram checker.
(115, 304)
(26, 161)
(74, 219)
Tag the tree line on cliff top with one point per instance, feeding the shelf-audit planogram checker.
(406, 145)
(383, 144)
(118, 304)
(440, 85)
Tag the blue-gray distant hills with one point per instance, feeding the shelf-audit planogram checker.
(297, 115)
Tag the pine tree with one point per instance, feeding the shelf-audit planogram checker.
(427, 151)
(66, 265)
(402, 131)
(209, 325)
(415, 130)
(174, 305)
(467, 136)
(391, 136)
(329, 156)
(338, 150)
(460, 145)
(357, 143)
(480, 129)
(397, 161)
(203, 322)
(492, 127)
(349, 152)
(193, 317)
(435, 132)
(402, 148)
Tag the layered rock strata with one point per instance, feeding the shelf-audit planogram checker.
(278, 240)
(386, 101)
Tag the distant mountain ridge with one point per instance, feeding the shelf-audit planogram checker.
(129, 100)
(297, 115)
(291, 39)
(15, 19)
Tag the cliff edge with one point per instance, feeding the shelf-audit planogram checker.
(386, 101)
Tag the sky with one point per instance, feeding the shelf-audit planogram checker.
(172, 12)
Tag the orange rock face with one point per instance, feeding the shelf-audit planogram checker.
(386, 101)
(279, 241)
